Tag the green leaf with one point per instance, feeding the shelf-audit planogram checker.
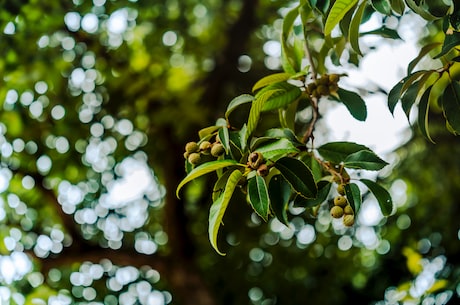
(288, 21)
(258, 196)
(238, 101)
(383, 32)
(353, 196)
(423, 51)
(337, 12)
(382, 6)
(279, 191)
(256, 108)
(298, 175)
(278, 133)
(324, 188)
(451, 105)
(204, 169)
(409, 98)
(208, 131)
(420, 11)
(364, 159)
(217, 210)
(314, 165)
(423, 111)
(354, 103)
(353, 32)
(219, 186)
(224, 137)
(276, 149)
(398, 6)
(394, 95)
(283, 95)
(450, 41)
(271, 79)
(382, 196)
(337, 152)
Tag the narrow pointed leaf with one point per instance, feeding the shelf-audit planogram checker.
(224, 137)
(298, 175)
(383, 32)
(208, 131)
(451, 105)
(424, 51)
(423, 111)
(398, 6)
(284, 95)
(258, 196)
(254, 113)
(219, 186)
(276, 149)
(354, 103)
(279, 191)
(238, 101)
(204, 169)
(382, 196)
(382, 6)
(420, 11)
(271, 79)
(217, 210)
(394, 96)
(353, 32)
(450, 41)
(337, 12)
(353, 196)
(364, 159)
(409, 98)
(288, 22)
(337, 152)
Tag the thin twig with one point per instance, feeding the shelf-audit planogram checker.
(309, 132)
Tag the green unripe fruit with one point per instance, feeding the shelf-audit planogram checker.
(336, 211)
(333, 78)
(341, 189)
(194, 158)
(323, 90)
(217, 150)
(205, 146)
(191, 147)
(348, 220)
(186, 154)
(348, 210)
(340, 201)
(324, 80)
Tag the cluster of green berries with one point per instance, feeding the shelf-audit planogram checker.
(323, 86)
(194, 152)
(342, 208)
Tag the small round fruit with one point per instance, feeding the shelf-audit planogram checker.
(348, 220)
(348, 210)
(194, 158)
(255, 159)
(217, 150)
(263, 170)
(340, 201)
(333, 78)
(323, 80)
(341, 189)
(191, 147)
(186, 154)
(205, 145)
(323, 90)
(336, 211)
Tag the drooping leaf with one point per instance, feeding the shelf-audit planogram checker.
(271, 79)
(338, 10)
(337, 152)
(218, 207)
(364, 159)
(238, 101)
(382, 6)
(354, 196)
(353, 31)
(451, 105)
(204, 169)
(284, 95)
(224, 137)
(451, 41)
(276, 149)
(324, 188)
(298, 175)
(219, 186)
(258, 196)
(279, 191)
(394, 96)
(409, 98)
(420, 10)
(354, 103)
(423, 51)
(256, 108)
(288, 21)
(423, 111)
(383, 32)
(382, 196)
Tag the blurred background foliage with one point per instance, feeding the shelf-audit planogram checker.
(97, 100)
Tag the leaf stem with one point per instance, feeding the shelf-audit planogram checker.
(311, 126)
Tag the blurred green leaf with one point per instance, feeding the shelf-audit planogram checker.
(280, 192)
(382, 6)
(353, 31)
(338, 10)
(451, 105)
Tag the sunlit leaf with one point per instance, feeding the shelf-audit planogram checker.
(451, 105)
(338, 10)
(298, 175)
(218, 207)
(256, 108)
(451, 41)
(423, 51)
(204, 169)
(287, 133)
(279, 191)
(353, 196)
(224, 137)
(353, 32)
(258, 196)
(271, 79)
(284, 95)
(382, 6)
(276, 149)
(219, 186)
(288, 21)
(364, 159)
(337, 152)
(354, 103)
(382, 196)
(238, 101)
